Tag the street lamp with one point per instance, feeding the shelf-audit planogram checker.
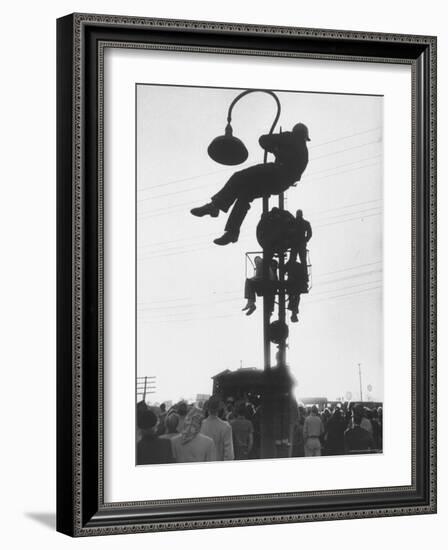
(229, 150)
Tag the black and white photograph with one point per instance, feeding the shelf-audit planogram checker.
(259, 262)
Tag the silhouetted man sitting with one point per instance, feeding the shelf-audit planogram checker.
(262, 180)
(256, 284)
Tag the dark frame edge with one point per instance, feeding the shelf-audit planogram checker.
(426, 271)
(64, 175)
(73, 499)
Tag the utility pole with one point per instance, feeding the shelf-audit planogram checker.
(360, 380)
(281, 293)
(229, 150)
(266, 311)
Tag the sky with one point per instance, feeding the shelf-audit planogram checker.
(190, 292)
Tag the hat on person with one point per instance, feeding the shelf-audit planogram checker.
(302, 130)
(192, 425)
(146, 419)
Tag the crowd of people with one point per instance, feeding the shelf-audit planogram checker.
(218, 430)
(345, 429)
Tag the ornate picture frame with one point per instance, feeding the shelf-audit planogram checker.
(81, 43)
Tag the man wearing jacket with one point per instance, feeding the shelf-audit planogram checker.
(262, 180)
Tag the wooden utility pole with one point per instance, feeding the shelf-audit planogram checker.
(267, 439)
(281, 294)
(360, 380)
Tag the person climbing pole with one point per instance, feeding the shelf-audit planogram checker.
(262, 180)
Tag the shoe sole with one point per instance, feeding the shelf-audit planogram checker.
(214, 215)
(224, 244)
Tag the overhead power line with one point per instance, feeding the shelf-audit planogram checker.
(202, 186)
(155, 304)
(237, 314)
(345, 137)
(175, 250)
(313, 213)
(189, 178)
(163, 310)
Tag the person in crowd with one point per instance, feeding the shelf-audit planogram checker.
(365, 421)
(325, 416)
(301, 441)
(334, 442)
(271, 178)
(313, 430)
(151, 449)
(219, 430)
(375, 427)
(380, 428)
(250, 410)
(182, 410)
(256, 283)
(141, 406)
(171, 423)
(256, 423)
(191, 445)
(229, 409)
(162, 416)
(348, 413)
(357, 438)
(294, 422)
(243, 433)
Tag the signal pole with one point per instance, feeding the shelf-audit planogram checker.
(229, 150)
(281, 294)
(266, 311)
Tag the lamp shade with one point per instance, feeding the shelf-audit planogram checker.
(227, 149)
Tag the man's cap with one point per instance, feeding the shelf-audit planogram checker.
(302, 130)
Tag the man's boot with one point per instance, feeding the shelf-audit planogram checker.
(228, 237)
(208, 209)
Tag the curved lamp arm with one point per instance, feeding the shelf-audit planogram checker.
(242, 94)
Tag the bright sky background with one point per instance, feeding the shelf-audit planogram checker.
(190, 292)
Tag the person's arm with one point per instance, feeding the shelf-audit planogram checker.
(228, 444)
(309, 231)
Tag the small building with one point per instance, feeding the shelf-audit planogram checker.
(249, 384)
